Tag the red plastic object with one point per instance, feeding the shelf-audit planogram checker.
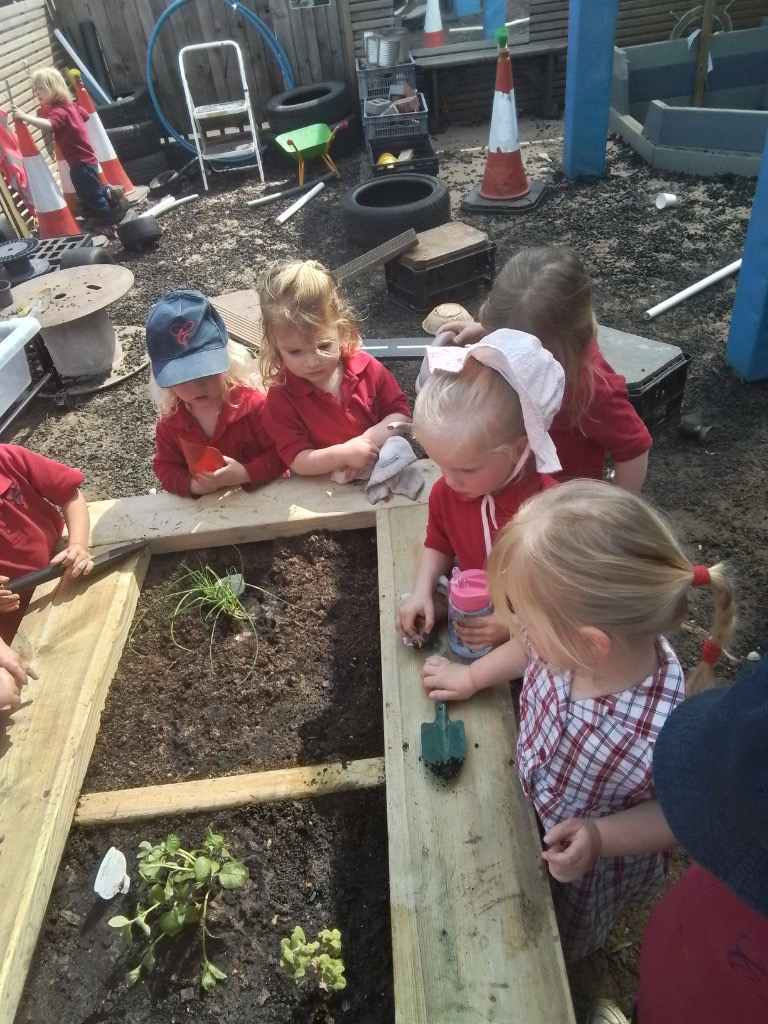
(201, 458)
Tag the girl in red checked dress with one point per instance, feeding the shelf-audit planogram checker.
(210, 434)
(483, 417)
(546, 291)
(328, 403)
(595, 578)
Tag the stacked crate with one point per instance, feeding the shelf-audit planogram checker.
(394, 133)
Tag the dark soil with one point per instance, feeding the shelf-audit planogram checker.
(713, 492)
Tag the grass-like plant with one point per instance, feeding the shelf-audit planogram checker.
(179, 886)
(316, 966)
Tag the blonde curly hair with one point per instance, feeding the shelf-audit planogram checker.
(243, 369)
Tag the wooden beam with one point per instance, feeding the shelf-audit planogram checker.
(73, 635)
(702, 63)
(283, 508)
(228, 791)
(474, 937)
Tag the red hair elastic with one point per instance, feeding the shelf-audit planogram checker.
(701, 577)
(710, 653)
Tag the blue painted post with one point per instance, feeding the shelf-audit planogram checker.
(591, 35)
(747, 347)
(494, 15)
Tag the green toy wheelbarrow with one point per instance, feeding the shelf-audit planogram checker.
(307, 143)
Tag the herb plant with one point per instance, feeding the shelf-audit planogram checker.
(178, 886)
(318, 965)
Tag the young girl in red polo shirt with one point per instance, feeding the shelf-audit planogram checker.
(546, 291)
(66, 119)
(590, 578)
(328, 403)
(210, 434)
(482, 416)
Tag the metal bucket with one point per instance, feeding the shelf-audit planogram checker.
(389, 51)
(371, 42)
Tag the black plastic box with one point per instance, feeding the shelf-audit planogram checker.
(457, 278)
(661, 395)
(424, 156)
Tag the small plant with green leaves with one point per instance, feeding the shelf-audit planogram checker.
(178, 886)
(316, 966)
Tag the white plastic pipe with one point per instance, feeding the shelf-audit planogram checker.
(167, 203)
(92, 83)
(299, 203)
(686, 293)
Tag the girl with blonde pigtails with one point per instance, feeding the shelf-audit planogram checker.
(591, 578)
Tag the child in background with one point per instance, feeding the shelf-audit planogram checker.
(486, 428)
(546, 291)
(328, 404)
(210, 434)
(66, 119)
(32, 490)
(595, 577)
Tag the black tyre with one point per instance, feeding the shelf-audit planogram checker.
(379, 209)
(139, 234)
(322, 103)
(84, 256)
(348, 140)
(132, 141)
(143, 170)
(167, 183)
(130, 108)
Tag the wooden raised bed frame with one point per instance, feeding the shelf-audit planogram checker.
(473, 930)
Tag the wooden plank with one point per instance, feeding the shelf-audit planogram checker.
(75, 635)
(436, 244)
(229, 791)
(241, 313)
(474, 937)
(282, 508)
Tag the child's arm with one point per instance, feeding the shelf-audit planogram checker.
(8, 602)
(354, 456)
(169, 464)
(631, 474)
(37, 122)
(448, 680)
(381, 432)
(416, 615)
(75, 556)
(13, 676)
(576, 845)
(484, 631)
(466, 333)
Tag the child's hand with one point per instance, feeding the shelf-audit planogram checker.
(446, 680)
(8, 602)
(484, 631)
(13, 676)
(360, 453)
(466, 333)
(574, 848)
(234, 474)
(76, 560)
(416, 616)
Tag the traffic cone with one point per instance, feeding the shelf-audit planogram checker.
(504, 186)
(53, 216)
(65, 179)
(433, 25)
(100, 142)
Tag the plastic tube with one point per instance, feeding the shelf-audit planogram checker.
(269, 38)
(299, 203)
(93, 86)
(286, 192)
(686, 293)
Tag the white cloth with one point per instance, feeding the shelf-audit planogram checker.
(530, 370)
(394, 472)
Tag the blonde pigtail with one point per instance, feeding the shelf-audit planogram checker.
(724, 621)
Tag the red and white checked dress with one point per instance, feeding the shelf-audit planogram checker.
(588, 758)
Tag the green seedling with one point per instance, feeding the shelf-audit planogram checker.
(177, 887)
(315, 965)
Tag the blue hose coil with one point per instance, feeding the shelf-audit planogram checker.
(269, 38)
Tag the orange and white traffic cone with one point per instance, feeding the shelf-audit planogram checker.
(433, 25)
(65, 179)
(100, 142)
(504, 185)
(53, 216)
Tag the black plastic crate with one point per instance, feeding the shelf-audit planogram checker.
(424, 156)
(457, 278)
(661, 395)
(52, 249)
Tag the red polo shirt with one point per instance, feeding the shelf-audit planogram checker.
(300, 416)
(455, 527)
(68, 125)
(609, 425)
(239, 434)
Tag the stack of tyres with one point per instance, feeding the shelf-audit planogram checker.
(322, 103)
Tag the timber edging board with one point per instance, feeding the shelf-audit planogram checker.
(473, 920)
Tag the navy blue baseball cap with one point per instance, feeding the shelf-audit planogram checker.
(186, 339)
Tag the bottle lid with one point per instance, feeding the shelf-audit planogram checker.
(469, 589)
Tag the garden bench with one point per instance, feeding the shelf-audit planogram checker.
(534, 60)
